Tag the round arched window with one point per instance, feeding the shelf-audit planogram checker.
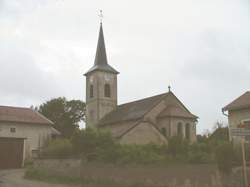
(107, 90)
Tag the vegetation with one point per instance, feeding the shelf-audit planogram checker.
(96, 145)
(59, 148)
(65, 114)
(224, 157)
(42, 175)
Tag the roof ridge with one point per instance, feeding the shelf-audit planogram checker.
(166, 93)
(17, 107)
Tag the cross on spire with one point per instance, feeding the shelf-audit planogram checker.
(169, 88)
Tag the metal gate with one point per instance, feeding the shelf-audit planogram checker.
(11, 152)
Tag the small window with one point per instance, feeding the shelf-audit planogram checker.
(12, 129)
(107, 91)
(91, 91)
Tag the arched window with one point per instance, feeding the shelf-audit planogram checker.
(163, 131)
(179, 130)
(107, 91)
(187, 131)
(91, 91)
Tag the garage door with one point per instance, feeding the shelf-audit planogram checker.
(11, 152)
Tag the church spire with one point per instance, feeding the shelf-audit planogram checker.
(101, 57)
(101, 62)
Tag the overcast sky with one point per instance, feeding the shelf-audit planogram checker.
(200, 48)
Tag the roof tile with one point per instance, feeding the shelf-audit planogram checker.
(22, 115)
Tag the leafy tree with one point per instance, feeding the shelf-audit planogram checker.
(220, 133)
(66, 115)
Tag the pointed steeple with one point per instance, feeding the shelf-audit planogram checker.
(101, 62)
(101, 57)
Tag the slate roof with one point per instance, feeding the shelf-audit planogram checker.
(22, 115)
(101, 62)
(175, 111)
(133, 110)
(137, 109)
(240, 103)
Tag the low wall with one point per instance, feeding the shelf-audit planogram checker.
(63, 167)
(148, 174)
(174, 175)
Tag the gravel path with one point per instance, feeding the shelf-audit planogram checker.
(14, 178)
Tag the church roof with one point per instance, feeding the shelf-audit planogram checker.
(175, 111)
(101, 62)
(240, 103)
(137, 109)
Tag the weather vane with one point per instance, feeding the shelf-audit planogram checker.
(100, 16)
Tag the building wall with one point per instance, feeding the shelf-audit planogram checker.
(99, 105)
(35, 135)
(235, 117)
(143, 133)
(118, 129)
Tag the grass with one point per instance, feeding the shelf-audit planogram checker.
(42, 175)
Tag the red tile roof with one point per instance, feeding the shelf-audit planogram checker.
(22, 115)
(240, 103)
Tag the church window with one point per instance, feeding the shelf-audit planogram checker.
(91, 91)
(163, 131)
(12, 129)
(187, 131)
(107, 90)
(179, 130)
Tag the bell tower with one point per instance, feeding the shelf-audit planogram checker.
(101, 86)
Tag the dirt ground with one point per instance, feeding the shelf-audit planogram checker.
(14, 178)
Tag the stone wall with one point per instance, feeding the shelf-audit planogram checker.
(61, 167)
(176, 175)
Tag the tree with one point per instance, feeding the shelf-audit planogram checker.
(220, 133)
(66, 115)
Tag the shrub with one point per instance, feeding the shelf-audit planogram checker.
(177, 146)
(224, 157)
(90, 141)
(59, 148)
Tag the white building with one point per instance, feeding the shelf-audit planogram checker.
(22, 132)
(238, 114)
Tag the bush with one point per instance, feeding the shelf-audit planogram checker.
(224, 157)
(59, 148)
(89, 142)
(177, 147)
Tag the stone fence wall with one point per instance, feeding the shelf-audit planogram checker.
(172, 175)
(62, 167)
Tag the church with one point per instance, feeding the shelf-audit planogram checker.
(149, 120)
